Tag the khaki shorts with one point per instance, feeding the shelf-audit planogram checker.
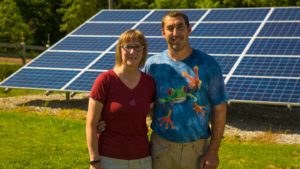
(172, 155)
(113, 163)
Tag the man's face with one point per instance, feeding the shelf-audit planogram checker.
(176, 33)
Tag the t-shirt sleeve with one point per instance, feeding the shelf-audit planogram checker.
(100, 88)
(216, 85)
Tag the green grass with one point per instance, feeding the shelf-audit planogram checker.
(19, 92)
(31, 140)
(253, 155)
(35, 142)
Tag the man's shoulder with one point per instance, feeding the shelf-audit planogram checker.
(201, 54)
(156, 58)
(208, 59)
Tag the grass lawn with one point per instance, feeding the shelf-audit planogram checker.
(35, 141)
(19, 92)
(253, 155)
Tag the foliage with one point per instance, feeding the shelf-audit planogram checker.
(12, 24)
(207, 4)
(259, 3)
(75, 12)
(170, 4)
(42, 18)
(271, 3)
(131, 4)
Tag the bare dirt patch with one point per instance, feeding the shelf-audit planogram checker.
(12, 60)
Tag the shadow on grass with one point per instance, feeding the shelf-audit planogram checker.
(255, 117)
(247, 117)
(73, 103)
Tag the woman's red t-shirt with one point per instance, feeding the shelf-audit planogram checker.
(124, 112)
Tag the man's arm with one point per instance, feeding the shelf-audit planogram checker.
(210, 158)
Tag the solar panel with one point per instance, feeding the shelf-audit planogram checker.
(102, 29)
(269, 66)
(85, 43)
(237, 15)
(258, 50)
(281, 29)
(64, 60)
(41, 78)
(105, 63)
(83, 82)
(226, 62)
(225, 29)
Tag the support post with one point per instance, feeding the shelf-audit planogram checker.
(67, 96)
(110, 4)
(23, 48)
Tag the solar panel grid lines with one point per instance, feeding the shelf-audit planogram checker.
(289, 13)
(102, 28)
(258, 50)
(244, 14)
(77, 79)
(248, 46)
(281, 29)
(262, 89)
(200, 20)
(84, 82)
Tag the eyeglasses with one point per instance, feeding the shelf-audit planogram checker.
(137, 48)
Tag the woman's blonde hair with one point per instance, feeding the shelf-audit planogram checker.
(129, 36)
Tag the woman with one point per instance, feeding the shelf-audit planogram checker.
(122, 97)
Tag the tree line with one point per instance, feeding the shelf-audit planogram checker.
(38, 22)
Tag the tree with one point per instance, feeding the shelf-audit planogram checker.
(12, 24)
(131, 4)
(75, 12)
(42, 18)
(169, 4)
(206, 4)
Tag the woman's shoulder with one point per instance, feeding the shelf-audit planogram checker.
(106, 75)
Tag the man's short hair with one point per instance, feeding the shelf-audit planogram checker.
(174, 14)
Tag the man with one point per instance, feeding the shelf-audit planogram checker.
(190, 98)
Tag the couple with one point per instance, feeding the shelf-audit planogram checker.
(183, 87)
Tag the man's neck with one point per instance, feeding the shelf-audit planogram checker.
(180, 55)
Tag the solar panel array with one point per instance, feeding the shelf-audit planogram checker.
(257, 48)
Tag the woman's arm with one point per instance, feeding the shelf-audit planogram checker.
(93, 117)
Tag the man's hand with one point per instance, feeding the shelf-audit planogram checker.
(96, 166)
(101, 127)
(209, 160)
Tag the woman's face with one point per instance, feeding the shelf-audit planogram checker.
(132, 53)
